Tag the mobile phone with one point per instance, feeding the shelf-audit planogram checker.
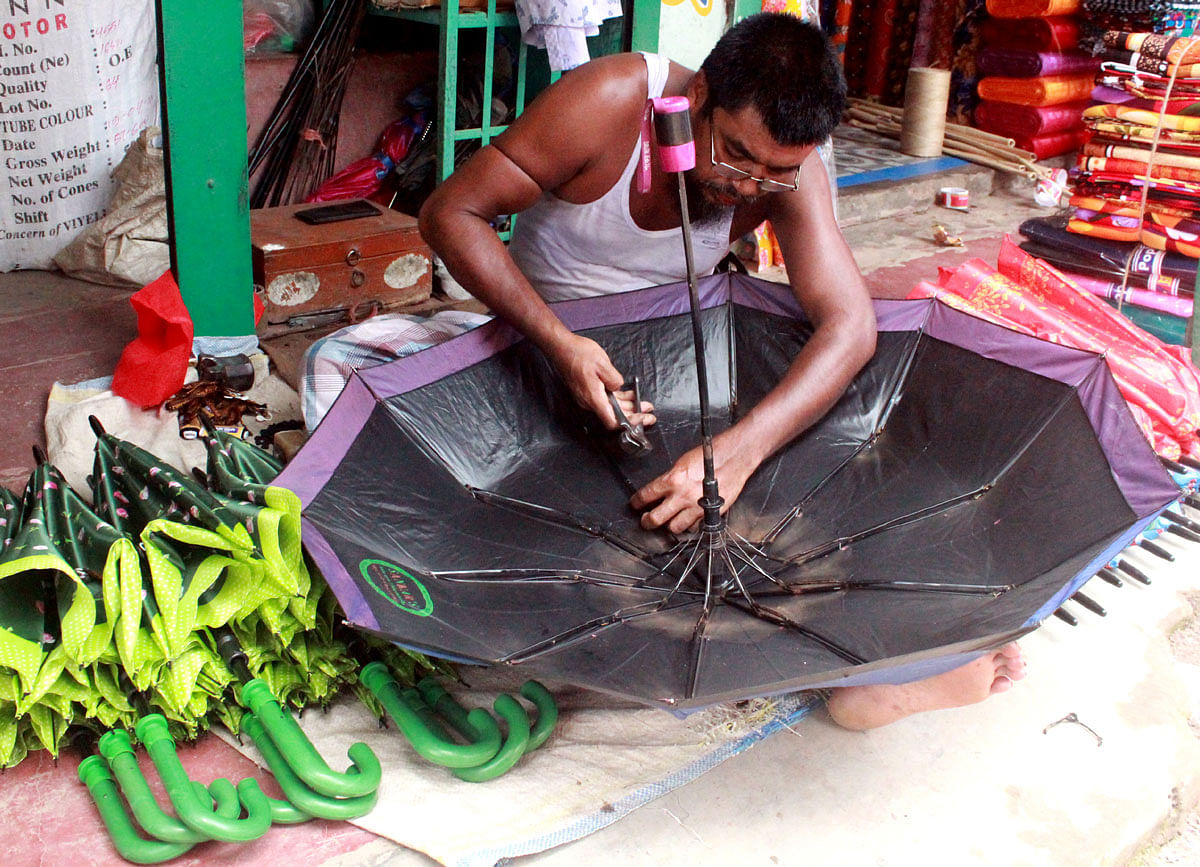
(336, 213)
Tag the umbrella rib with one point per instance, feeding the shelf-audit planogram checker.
(893, 400)
(521, 576)
(584, 631)
(770, 615)
(556, 516)
(915, 586)
(797, 510)
(899, 521)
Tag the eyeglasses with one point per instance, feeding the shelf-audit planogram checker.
(733, 173)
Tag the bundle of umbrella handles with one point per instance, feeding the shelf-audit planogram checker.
(240, 813)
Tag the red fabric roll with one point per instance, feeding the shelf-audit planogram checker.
(1052, 145)
(1028, 64)
(1029, 121)
(1031, 34)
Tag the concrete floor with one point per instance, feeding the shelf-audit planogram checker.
(989, 784)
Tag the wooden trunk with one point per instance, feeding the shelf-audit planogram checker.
(316, 275)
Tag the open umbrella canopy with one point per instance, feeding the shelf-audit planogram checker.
(967, 482)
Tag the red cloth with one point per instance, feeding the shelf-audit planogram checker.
(154, 364)
(1029, 121)
(1052, 145)
(1031, 34)
(1030, 296)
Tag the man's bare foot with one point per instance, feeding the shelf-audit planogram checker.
(866, 707)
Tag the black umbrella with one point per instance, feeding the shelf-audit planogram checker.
(968, 481)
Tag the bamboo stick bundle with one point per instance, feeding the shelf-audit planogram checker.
(983, 148)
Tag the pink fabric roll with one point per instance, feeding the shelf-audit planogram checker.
(1029, 121)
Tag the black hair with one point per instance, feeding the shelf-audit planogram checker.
(785, 68)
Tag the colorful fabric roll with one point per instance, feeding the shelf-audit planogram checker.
(1173, 49)
(1050, 233)
(1029, 121)
(1032, 8)
(1141, 153)
(1046, 90)
(1150, 119)
(1053, 144)
(1031, 34)
(1018, 63)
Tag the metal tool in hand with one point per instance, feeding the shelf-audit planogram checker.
(632, 437)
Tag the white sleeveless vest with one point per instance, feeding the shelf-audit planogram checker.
(572, 251)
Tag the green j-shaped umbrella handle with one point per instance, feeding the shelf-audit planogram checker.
(303, 799)
(547, 713)
(223, 792)
(117, 749)
(511, 712)
(361, 778)
(282, 813)
(152, 731)
(94, 774)
(420, 727)
(477, 726)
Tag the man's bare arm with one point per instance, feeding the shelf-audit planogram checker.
(829, 286)
(555, 145)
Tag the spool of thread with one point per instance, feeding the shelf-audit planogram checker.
(923, 127)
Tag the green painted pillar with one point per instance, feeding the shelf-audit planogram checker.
(204, 132)
(646, 18)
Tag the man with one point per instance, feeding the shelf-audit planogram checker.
(766, 95)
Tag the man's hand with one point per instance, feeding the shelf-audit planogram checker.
(590, 375)
(677, 491)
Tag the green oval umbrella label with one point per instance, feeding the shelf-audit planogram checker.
(397, 586)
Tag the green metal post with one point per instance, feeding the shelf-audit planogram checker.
(204, 132)
(646, 17)
(447, 112)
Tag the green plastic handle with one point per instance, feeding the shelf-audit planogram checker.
(301, 796)
(152, 731)
(94, 774)
(478, 727)
(511, 712)
(361, 778)
(419, 725)
(224, 794)
(117, 749)
(547, 713)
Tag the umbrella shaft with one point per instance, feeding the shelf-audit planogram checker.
(710, 473)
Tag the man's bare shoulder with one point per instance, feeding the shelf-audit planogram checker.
(615, 83)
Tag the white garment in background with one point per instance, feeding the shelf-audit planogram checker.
(562, 27)
(567, 250)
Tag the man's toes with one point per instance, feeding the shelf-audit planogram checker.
(1012, 650)
(1002, 683)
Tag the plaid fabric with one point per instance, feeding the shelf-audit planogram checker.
(330, 361)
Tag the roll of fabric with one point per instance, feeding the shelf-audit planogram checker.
(1019, 63)
(1032, 8)
(964, 73)
(1031, 34)
(1140, 153)
(1137, 168)
(933, 45)
(1029, 121)
(1051, 233)
(1053, 144)
(1046, 90)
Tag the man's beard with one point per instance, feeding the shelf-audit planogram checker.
(702, 210)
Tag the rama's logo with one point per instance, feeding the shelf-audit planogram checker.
(397, 586)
